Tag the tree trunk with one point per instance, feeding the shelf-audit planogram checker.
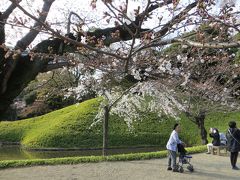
(24, 72)
(200, 119)
(13, 79)
(203, 134)
(105, 130)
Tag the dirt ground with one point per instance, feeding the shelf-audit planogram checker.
(206, 167)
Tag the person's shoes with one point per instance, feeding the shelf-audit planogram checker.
(169, 168)
(235, 168)
(175, 170)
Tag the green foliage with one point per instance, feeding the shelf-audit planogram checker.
(128, 81)
(71, 127)
(51, 88)
(209, 30)
(65, 127)
(220, 120)
(57, 101)
(237, 57)
(30, 97)
(237, 36)
(174, 48)
(92, 159)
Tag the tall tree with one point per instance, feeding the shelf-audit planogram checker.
(129, 32)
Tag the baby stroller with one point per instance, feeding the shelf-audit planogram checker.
(184, 159)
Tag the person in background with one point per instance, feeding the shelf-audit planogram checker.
(213, 133)
(233, 143)
(223, 139)
(172, 148)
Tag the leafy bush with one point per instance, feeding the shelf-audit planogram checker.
(57, 101)
(30, 97)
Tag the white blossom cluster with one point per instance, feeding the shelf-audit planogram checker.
(78, 92)
(86, 82)
(144, 97)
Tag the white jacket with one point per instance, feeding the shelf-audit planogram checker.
(173, 141)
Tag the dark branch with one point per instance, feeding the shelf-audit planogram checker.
(58, 65)
(9, 11)
(69, 20)
(28, 38)
(177, 19)
(190, 117)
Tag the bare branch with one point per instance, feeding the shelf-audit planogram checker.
(57, 65)
(9, 11)
(69, 20)
(127, 28)
(120, 97)
(177, 19)
(28, 38)
(216, 45)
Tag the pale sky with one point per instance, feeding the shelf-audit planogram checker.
(61, 8)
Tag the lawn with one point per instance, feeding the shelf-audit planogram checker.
(71, 127)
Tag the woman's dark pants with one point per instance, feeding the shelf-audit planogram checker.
(233, 158)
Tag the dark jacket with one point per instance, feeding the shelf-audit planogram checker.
(233, 144)
(181, 149)
(216, 138)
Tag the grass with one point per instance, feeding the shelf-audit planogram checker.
(70, 128)
(92, 159)
(62, 128)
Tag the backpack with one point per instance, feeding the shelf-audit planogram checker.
(223, 139)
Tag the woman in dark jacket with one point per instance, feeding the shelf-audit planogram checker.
(214, 133)
(216, 137)
(233, 143)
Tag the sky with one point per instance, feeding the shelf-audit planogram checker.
(61, 8)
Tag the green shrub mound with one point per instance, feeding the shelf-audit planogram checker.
(66, 127)
(70, 127)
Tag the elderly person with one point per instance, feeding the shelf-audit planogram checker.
(233, 143)
(172, 148)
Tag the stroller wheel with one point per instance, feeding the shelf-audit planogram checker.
(181, 170)
(190, 168)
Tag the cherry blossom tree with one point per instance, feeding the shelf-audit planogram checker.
(129, 43)
(128, 104)
(128, 34)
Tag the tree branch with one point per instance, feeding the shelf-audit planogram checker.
(120, 97)
(190, 117)
(99, 33)
(57, 65)
(9, 11)
(216, 45)
(177, 19)
(28, 38)
(70, 22)
(73, 42)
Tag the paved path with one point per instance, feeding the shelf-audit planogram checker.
(206, 167)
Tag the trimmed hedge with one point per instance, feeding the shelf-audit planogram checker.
(93, 159)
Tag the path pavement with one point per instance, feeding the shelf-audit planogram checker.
(206, 167)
